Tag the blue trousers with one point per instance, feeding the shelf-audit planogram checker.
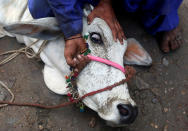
(156, 15)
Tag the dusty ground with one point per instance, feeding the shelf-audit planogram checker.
(160, 91)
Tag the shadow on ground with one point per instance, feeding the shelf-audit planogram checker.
(160, 91)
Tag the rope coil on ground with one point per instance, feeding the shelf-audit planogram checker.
(13, 54)
(12, 95)
(26, 50)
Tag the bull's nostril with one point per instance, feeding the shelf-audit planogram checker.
(128, 113)
(123, 110)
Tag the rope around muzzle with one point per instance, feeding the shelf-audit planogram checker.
(130, 72)
(12, 95)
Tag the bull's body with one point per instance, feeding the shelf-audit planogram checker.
(95, 76)
(13, 11)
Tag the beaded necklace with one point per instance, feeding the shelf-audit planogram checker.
(71, 79)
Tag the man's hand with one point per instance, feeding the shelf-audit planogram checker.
(73, 47)
(105, 11)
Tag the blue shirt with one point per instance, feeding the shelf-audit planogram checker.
(157, 15)
(69, 13)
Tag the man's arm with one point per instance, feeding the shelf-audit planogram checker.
(69, 16)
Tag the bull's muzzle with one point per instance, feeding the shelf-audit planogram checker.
(128, 113)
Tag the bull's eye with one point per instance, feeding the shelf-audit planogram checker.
(96, 38)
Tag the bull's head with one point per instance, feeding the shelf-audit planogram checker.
(115, 106)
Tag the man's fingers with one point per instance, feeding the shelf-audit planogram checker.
(120, 38)
(80, 58)
(83, 61)
(114, 33)
(76, 61)
(83, 46)
(86, 59)
(70, 61)
(69, 58)
(90, 17)
(113, 28)
(121, 31)
(76, 70)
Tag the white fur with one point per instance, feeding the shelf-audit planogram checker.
(94, 76)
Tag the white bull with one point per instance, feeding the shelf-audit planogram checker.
(115, 106)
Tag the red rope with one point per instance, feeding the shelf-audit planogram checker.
(130, 73)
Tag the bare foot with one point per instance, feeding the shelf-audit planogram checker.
(170, 40)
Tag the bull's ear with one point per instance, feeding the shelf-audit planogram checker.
(44, 28)
(136, 54)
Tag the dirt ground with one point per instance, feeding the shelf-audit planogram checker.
(161, 91)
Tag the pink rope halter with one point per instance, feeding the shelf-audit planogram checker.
(105, 61)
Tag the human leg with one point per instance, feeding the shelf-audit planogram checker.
(163, 23)
(160, 18)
